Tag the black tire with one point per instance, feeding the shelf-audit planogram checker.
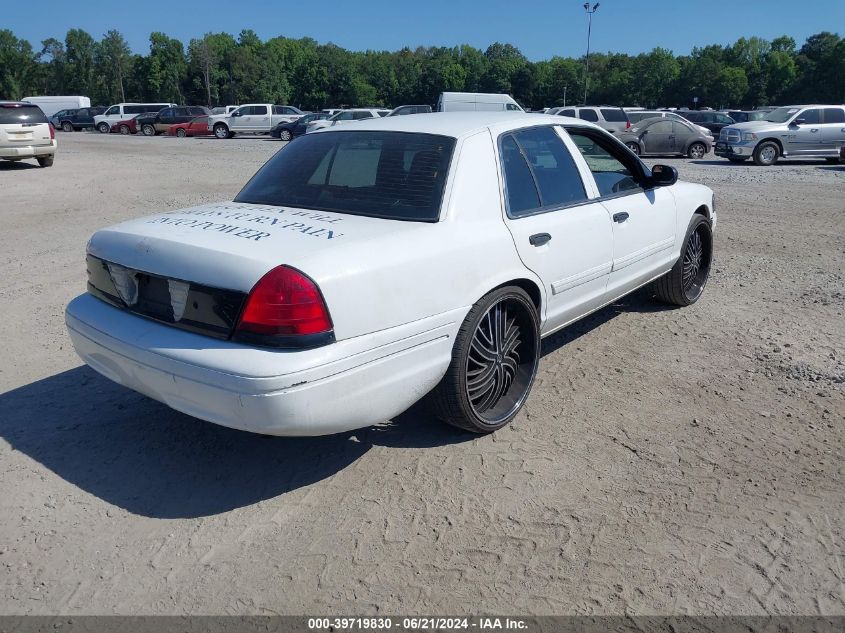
(285, 135)
(766, 154)
(124, 129)
(148, 129)
(181, 133)
(737, 160)
(103, 128)
(697, 150)
(221, 131)
(494, 362)
(45, 161)
(67, 126)
(684, 284)
(634, 148)
(832, 161)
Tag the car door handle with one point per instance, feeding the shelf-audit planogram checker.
(538, 239)
(815, 129)
(620, 217)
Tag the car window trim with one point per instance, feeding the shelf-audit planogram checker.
(642, 168)
(542, 209)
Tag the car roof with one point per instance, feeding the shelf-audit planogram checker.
(460, 124)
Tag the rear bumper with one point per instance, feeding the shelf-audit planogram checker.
(28, 151)
(339, 387)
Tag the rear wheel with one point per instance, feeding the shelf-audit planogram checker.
(103, 128)
(683, 285)
(148, 129)
(45, 161)
(634, 148)
(493, 365)
(285, 135)
(697, 150)
(766, 154)
(67, 126)
(181, 133)
(221, 131)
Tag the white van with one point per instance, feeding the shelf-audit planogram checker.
(122, 111)
(476, 102)
(50, 105)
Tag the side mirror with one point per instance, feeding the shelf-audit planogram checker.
(236, 113)
(663, 176)
(799, 121)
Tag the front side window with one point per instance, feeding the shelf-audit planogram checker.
(660, 127)
(114, 110)
(614, 171)
(357, 116)
(393, 175)
(567, 112)
(811, 117)
(552, 178)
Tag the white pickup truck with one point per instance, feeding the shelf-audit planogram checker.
(255, 118)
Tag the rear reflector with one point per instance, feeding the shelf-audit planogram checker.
(284, 304)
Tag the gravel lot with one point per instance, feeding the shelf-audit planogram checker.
(668, 461)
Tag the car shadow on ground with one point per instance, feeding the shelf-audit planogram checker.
(140, 455)
(8, 165)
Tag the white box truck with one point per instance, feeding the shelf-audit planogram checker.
(51, 104)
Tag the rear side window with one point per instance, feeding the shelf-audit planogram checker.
(362, 115)
(588, 115)
(259, 110)
(567, 113)
(23, 114)
(552, 173)
(834, 115)
(393, 175)
(613, 115)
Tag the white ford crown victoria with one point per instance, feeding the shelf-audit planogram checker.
(365, 267)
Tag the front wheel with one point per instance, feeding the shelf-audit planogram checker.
(683, 285)
(124, 129)
(697, 150)
(104, 128)
(181, 133)
(634, 148)
(766, 154)
(494, 362)
(285, 135)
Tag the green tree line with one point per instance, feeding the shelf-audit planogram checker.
(221, 69)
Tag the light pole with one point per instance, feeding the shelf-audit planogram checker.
(590, 10)
(564, 95)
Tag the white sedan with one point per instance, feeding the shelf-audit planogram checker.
(346, 116)
(366, 267)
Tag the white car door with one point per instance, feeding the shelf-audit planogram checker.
(643, 220)
(239, 119)
(560, 233)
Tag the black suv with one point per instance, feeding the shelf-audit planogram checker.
(157, 122)
(713, 121)
(82, 119)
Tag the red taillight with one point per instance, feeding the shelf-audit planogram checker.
(627, 125)
(52, 132)
(285, 302)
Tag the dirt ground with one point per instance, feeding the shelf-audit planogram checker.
(669, 461)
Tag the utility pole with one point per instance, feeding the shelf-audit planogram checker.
(564, 95)
(590, 10)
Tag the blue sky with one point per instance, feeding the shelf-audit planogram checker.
(539, 28)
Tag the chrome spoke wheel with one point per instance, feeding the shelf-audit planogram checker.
(501, 361)
(697, 151)
(696, 264)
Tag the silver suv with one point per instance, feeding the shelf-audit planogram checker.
(26, 133)
(802, 131)
(612, 119)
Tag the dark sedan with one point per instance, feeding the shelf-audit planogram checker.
(292, 129)
(713, 121)
(664, 136)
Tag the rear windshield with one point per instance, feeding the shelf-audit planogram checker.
(613, 115)
(22, 114)
(394, 175)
